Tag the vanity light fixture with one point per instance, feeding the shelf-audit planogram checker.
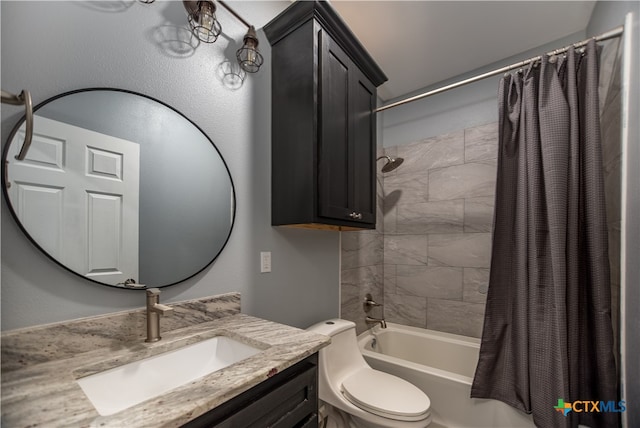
(205, 27)
(248, 56)
(202, 19)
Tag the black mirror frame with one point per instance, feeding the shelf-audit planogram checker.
(26, 233)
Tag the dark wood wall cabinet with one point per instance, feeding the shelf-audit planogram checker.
(323, 121)
(286, 400)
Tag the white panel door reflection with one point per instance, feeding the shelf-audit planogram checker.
(77, 195)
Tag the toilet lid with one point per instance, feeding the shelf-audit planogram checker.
(386, 395)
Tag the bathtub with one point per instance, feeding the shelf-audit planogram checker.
(442, 365)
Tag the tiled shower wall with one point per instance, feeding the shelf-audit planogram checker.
(428, 263)
(438, 213)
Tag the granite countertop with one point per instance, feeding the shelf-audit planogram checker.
(46, 393)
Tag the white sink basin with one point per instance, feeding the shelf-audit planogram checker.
(122, 387)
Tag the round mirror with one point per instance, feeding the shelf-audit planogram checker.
(120, 189)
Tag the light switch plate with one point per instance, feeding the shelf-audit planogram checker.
(265, 261)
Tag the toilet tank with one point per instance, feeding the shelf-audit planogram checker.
(342, 357)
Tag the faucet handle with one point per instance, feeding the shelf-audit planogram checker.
(163, 309)
(369, 303)
(153, 304)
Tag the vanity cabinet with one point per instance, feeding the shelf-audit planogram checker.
(285, 400)
(323, 121)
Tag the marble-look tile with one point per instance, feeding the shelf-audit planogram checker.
(406, 310)
(379, 218)
(490, 162)
(455, 317)
(436, 152)
(379, 204)
(389, 219)
(460, 249)
(476, 285)
(481, 142)
(355, 284)
(392, 193)
(390, 279)
(406, 188)
(431, 217)
(428, 281)
(478, 214)
(361, 249)
(462, 181)
(405, 249)
(366, 279)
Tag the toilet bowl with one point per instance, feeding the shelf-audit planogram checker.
(369, 398)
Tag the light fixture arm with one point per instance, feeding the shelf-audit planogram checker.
(234, 13)
(206, 27)
(192, 8)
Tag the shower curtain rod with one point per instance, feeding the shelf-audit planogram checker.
(616, 32)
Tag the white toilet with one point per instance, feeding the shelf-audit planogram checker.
(359, 395)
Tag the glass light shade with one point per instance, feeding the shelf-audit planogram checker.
(203, 22)
(248, 55)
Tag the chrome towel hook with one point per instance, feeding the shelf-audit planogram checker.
(23, 98)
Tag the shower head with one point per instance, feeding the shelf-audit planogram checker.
(392, 163)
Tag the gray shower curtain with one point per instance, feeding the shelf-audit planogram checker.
(547, 332)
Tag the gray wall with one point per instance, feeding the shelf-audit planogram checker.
(134, 46)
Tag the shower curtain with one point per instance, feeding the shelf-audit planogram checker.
(547, 341)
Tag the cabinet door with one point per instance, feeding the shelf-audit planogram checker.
(346, 180)
(363, 145)
(288, 399)
(334, 157)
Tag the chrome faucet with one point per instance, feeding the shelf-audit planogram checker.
(382, 322)
(154, 310)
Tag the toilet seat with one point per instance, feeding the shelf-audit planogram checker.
(386, 395)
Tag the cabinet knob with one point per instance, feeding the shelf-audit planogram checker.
(355, 215)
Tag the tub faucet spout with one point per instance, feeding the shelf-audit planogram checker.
(154, 310)
(382, 322)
